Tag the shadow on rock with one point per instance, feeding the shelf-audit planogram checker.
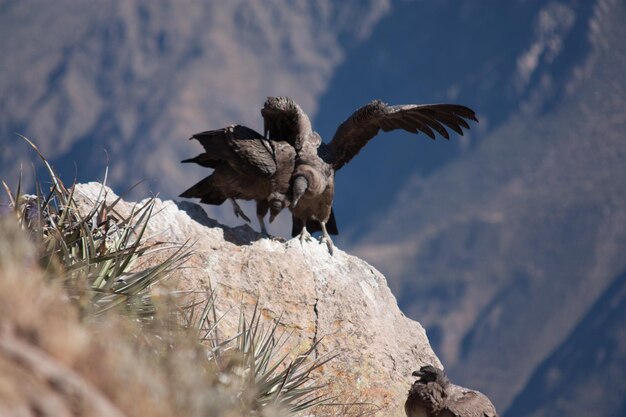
(240, 235)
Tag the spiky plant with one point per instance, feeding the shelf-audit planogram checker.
(95, 246)
(270, 374)
(94, 251)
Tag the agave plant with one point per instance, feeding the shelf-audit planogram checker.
(269, 373)
(95, 245)
(95, 251)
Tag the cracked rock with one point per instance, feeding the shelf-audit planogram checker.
(339, 299)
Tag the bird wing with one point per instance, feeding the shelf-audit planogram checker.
(463, 402)
(367, 121)
(207, 190)
(285, 121)
(246, 150)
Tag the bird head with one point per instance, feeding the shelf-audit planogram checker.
(428, 374)
(300, 185)
(279, 104)
(276, 206)
(276, 109)
(284, 120)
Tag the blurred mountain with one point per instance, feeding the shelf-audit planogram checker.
(586, 375)
(137, 78)
(505, 250)
(500, 58)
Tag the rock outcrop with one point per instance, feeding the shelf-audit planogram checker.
(339, 299)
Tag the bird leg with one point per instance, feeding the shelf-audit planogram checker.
(262, 207)
(238, 211)
(304, 236)
(262, 224)
(326, 238)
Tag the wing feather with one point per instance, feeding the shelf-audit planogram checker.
(453, 118)
(387, 125)
(365, 123)
(417, 122)
(432, 123)
(244, 149)
(407, 125)
(468, 403)
(453, 122)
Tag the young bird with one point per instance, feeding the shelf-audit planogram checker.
(433, 395)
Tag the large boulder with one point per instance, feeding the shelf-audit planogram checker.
(337, 298)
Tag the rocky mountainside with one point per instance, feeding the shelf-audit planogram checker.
(339, 299)
(585, 375)
(499, 58)
(504, 253)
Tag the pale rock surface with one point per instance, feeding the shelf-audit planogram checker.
(338, 298)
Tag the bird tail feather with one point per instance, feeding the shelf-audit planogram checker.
(206, 191)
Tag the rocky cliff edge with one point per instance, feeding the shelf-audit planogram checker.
(339, 299)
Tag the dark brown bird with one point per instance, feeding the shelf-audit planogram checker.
(433, 395)
(246, 166)
(285, 121)
(313, 180)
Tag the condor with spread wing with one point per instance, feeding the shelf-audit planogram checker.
(313, 178)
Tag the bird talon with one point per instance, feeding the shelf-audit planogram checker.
(301, 165)
(238, 211)
(326, 238)
(305, 236)
(243, 216)
(266, 235)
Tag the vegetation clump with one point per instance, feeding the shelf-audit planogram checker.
(82, 333)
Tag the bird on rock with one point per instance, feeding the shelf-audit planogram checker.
(245, 166)
(313, 178)
(433, 395)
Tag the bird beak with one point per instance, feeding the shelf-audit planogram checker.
(272, 217)
(417, 374)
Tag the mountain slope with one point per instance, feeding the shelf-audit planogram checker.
(503, 253)
(137, 78)
(500, 58)
(586, 375)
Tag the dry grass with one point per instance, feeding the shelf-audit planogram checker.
(55, 362)
(52, 363)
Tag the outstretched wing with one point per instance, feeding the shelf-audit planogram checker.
(366, 122)
(244, 149)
